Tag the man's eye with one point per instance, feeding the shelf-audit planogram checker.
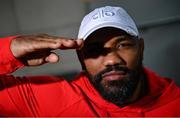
(125, 45)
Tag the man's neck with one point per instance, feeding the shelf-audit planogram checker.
(141, 89)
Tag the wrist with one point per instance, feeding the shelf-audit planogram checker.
(8, 62)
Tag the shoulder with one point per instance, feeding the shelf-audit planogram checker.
(166, 92)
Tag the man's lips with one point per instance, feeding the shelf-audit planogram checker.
(114, 75)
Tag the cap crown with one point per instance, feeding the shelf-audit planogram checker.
(107, 17)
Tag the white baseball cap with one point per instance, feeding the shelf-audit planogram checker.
(107, 16)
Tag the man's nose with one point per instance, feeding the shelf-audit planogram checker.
(112, 59)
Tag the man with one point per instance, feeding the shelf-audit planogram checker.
(113, 81)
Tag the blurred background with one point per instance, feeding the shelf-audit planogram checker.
(158, 22)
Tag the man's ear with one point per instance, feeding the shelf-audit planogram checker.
(141, 47)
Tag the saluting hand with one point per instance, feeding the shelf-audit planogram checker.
(34, 50)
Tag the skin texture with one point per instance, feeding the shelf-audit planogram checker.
(35, 50)
(111, 47)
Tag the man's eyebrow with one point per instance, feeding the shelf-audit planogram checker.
(124, 37)
(121, 38)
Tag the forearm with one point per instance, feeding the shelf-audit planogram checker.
(8, 63)
(13, 96)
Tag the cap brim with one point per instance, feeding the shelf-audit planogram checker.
(127, 29)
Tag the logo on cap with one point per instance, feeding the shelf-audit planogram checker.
(103, 14)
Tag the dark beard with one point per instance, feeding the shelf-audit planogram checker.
(116, 91)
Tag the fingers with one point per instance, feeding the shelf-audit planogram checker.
(62, 42)
(52, 58)
(80, 43)
(69, 44)
(54, 42)
(35, 50)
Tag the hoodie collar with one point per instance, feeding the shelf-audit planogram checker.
(158, 88)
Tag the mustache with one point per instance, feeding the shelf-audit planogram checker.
(112, 68)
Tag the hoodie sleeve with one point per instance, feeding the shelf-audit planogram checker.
(16, 94)
(8, 63)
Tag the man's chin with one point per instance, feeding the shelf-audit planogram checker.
(116, 84)
(117, 91)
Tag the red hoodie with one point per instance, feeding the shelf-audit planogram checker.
(54, 96)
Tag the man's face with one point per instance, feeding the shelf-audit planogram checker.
(112, 60)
